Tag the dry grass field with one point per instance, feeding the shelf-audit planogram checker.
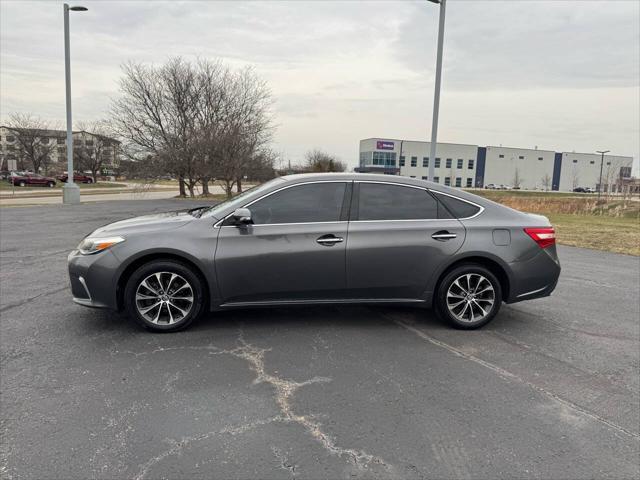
(580, 220)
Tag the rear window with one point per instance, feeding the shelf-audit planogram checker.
(458, 208)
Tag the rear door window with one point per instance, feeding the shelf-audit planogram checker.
(380, 201)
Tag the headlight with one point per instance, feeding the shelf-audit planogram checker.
(96, 244)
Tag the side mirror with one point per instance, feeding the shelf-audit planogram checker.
(242, 216)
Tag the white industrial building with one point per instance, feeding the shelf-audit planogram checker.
(461, 165)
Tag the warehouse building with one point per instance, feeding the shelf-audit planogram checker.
(461, 165)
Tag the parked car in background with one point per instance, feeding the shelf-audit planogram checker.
(77, 177)
(318, 239)
(580, 190)
(22, 179)
(491, 186)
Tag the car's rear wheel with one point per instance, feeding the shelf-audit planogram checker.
(89, 180)
(164, 296)
(22, 184)
(469, 296)
(51, 184)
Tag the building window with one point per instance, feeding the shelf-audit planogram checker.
(458, 182)
(501, 156)
(460, 163)
(608, 163)
(10, 138)
(414, 161)
(425, 178)
(469, 182)
(384, 159)
(575, 161)
(540, 158)
(448, 163)
(447, 181)
(61, 141)
(425, 161)
(470, 167)
(44, 141)
(413, 176)
(436, 164)
(402, 161)
(521, 157)
(592, 162)
(436, 179)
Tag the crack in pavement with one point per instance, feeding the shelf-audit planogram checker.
(285, 464)
(511, 376)
(284, 391)
(30, 299)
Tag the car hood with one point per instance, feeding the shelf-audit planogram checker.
(148, 223)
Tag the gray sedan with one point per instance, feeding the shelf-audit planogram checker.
(320, 238)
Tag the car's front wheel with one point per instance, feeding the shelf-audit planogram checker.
(22, 184)
(164, 296)
(51, 184)
(469, 296)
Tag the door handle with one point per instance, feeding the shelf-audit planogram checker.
(329, 240)
(443, 235)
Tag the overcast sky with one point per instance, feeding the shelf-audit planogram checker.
(559, 75)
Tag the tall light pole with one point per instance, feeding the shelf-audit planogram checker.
(601, 152)
(70, 191)
(436, 95)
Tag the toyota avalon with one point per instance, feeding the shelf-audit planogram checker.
(320, 239)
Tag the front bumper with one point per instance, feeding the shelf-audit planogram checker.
(91, 279)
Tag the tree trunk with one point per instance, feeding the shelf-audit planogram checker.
(190, 185)
(183, 192)
(228, 187)
(94, 175)
(205, 186)
(239, 187)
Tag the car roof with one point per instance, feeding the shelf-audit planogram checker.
(372, 177)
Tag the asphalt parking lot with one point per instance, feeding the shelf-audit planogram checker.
(550, 389)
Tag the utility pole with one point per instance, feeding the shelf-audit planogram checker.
(436, 95)
(601, 152)
(70, 191)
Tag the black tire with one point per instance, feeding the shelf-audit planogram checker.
(442, 309)
(169, 266)
(89, 181)
(22, 184)
(51, 184)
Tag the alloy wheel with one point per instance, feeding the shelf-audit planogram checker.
(470, 297)
(164, 298)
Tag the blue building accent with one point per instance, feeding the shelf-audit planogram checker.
(557, 166)
(481, 159)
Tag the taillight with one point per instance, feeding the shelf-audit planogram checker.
(544, 237)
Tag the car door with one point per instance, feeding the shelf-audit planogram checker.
(397, 237)
(293, 251)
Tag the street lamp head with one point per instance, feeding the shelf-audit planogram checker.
(78, 9)
(434, 1)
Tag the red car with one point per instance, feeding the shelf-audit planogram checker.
(24, 179)
(77, 177)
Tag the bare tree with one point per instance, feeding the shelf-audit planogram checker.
(197, 121)
(546, 181)
(96, 148)
(517, 179)
(34, 141)
(319, 161)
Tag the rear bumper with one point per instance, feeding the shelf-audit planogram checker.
(534, 278)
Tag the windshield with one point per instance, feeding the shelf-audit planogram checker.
(239, 200)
